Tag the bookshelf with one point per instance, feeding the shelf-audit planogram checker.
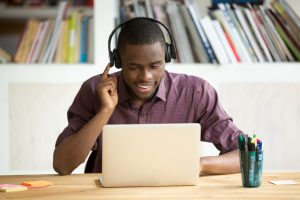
(13, 12)
(23, 123)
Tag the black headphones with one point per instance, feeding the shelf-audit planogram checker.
(114, 56)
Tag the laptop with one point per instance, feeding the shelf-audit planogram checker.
(150, 155)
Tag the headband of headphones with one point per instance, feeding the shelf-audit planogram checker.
(115, 58)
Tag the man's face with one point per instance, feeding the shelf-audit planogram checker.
(143, 68)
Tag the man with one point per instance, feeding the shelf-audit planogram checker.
(144, 92)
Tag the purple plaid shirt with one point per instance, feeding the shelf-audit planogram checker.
(179, 99)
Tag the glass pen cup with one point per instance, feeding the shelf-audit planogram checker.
(251, 163)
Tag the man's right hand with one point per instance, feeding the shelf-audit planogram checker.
(107, 90)
(67, 156)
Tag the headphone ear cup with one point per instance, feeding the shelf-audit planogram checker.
(168, 56)
(111, 59)
(117, 59)
(173, 51)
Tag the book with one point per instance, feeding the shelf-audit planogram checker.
(149, 8)
(196, 16)
(288, 54)
(258, 36)
(235, 34)
(50, 50)
(214, 40)
(225, 43)
(232, 47)
(285, 16)
(241, 32)
(160, 14)
(90, 40)
(46, 41)
(27, 40)
(249, 33)
(277, 41)
(285, 37)
(66, 40)
(39, 41)
(235, 44)
(196, 43)
(78, 30)
(180, 35)
(59, 48)
(72, 37)
(83, 46)
(264, 33)
(286, 29)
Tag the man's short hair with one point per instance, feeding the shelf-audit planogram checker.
(139, 32)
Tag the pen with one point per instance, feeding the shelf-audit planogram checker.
(243, 156)
(254, 139)
(241, 142)
(252, 156)
(259, 159)
(246, 142)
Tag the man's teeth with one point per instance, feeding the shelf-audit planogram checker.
(144, 86)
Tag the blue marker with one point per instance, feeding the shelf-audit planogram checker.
(259, 160)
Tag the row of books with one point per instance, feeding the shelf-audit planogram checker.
(66, 39)
(227, 33)
(48, 2)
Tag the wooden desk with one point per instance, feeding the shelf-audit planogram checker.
(87, 186)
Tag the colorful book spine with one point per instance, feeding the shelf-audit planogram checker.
(211, 56)
(249, 33)
(65, 51)
(72, 37)
(258, 36)
(40, 40)
(26, 41)
(214, 40)
(225, 43)
(83, 48)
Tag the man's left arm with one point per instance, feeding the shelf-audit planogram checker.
(219, 129)
(227, 163)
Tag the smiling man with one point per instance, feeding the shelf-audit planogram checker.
(143, 70)
(144, 92)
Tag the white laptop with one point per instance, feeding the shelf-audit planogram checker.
(150, 155)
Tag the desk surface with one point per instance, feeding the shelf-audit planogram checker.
(87, 186)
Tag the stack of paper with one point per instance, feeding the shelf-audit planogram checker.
(11, 188)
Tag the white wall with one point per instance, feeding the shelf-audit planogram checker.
(263, 98)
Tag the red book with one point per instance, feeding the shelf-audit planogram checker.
(232, 47)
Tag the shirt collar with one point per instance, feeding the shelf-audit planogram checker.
(124, 95)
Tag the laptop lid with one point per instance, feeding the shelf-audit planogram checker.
(150, 155)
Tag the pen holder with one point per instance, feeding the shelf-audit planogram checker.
(251, 168)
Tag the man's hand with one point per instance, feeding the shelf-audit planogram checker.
(107, 90)
(67, 156)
